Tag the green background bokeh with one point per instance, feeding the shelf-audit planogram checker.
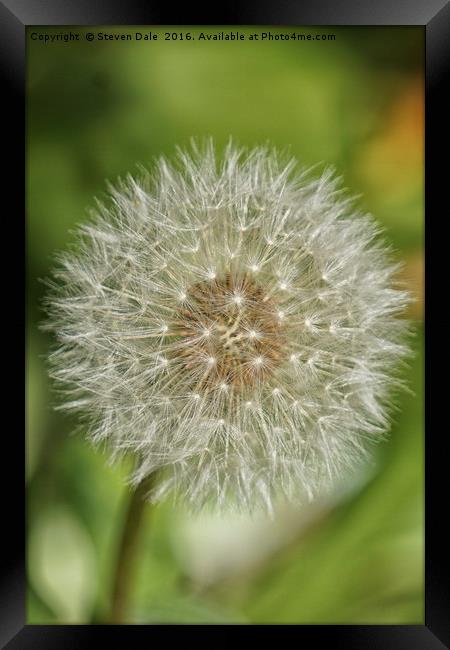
(95, 110)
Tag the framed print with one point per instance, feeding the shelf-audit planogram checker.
(233, 406)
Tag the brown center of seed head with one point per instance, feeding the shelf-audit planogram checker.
(230, 334)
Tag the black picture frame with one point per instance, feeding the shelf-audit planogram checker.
(434, 17)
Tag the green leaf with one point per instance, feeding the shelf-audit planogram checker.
(62, 565)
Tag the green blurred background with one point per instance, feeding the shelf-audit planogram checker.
(96, 110)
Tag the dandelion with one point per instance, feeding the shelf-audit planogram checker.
(233, 323)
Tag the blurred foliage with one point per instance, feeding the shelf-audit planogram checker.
(96, 110)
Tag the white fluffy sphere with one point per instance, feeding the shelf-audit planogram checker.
(234, 323)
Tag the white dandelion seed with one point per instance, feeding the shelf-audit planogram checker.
(245, 377)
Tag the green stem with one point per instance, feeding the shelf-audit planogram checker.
(126, 557)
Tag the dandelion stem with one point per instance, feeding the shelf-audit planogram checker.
(124, 572)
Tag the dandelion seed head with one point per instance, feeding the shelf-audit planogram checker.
(231, 321)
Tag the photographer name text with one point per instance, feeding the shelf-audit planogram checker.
(178, 36)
